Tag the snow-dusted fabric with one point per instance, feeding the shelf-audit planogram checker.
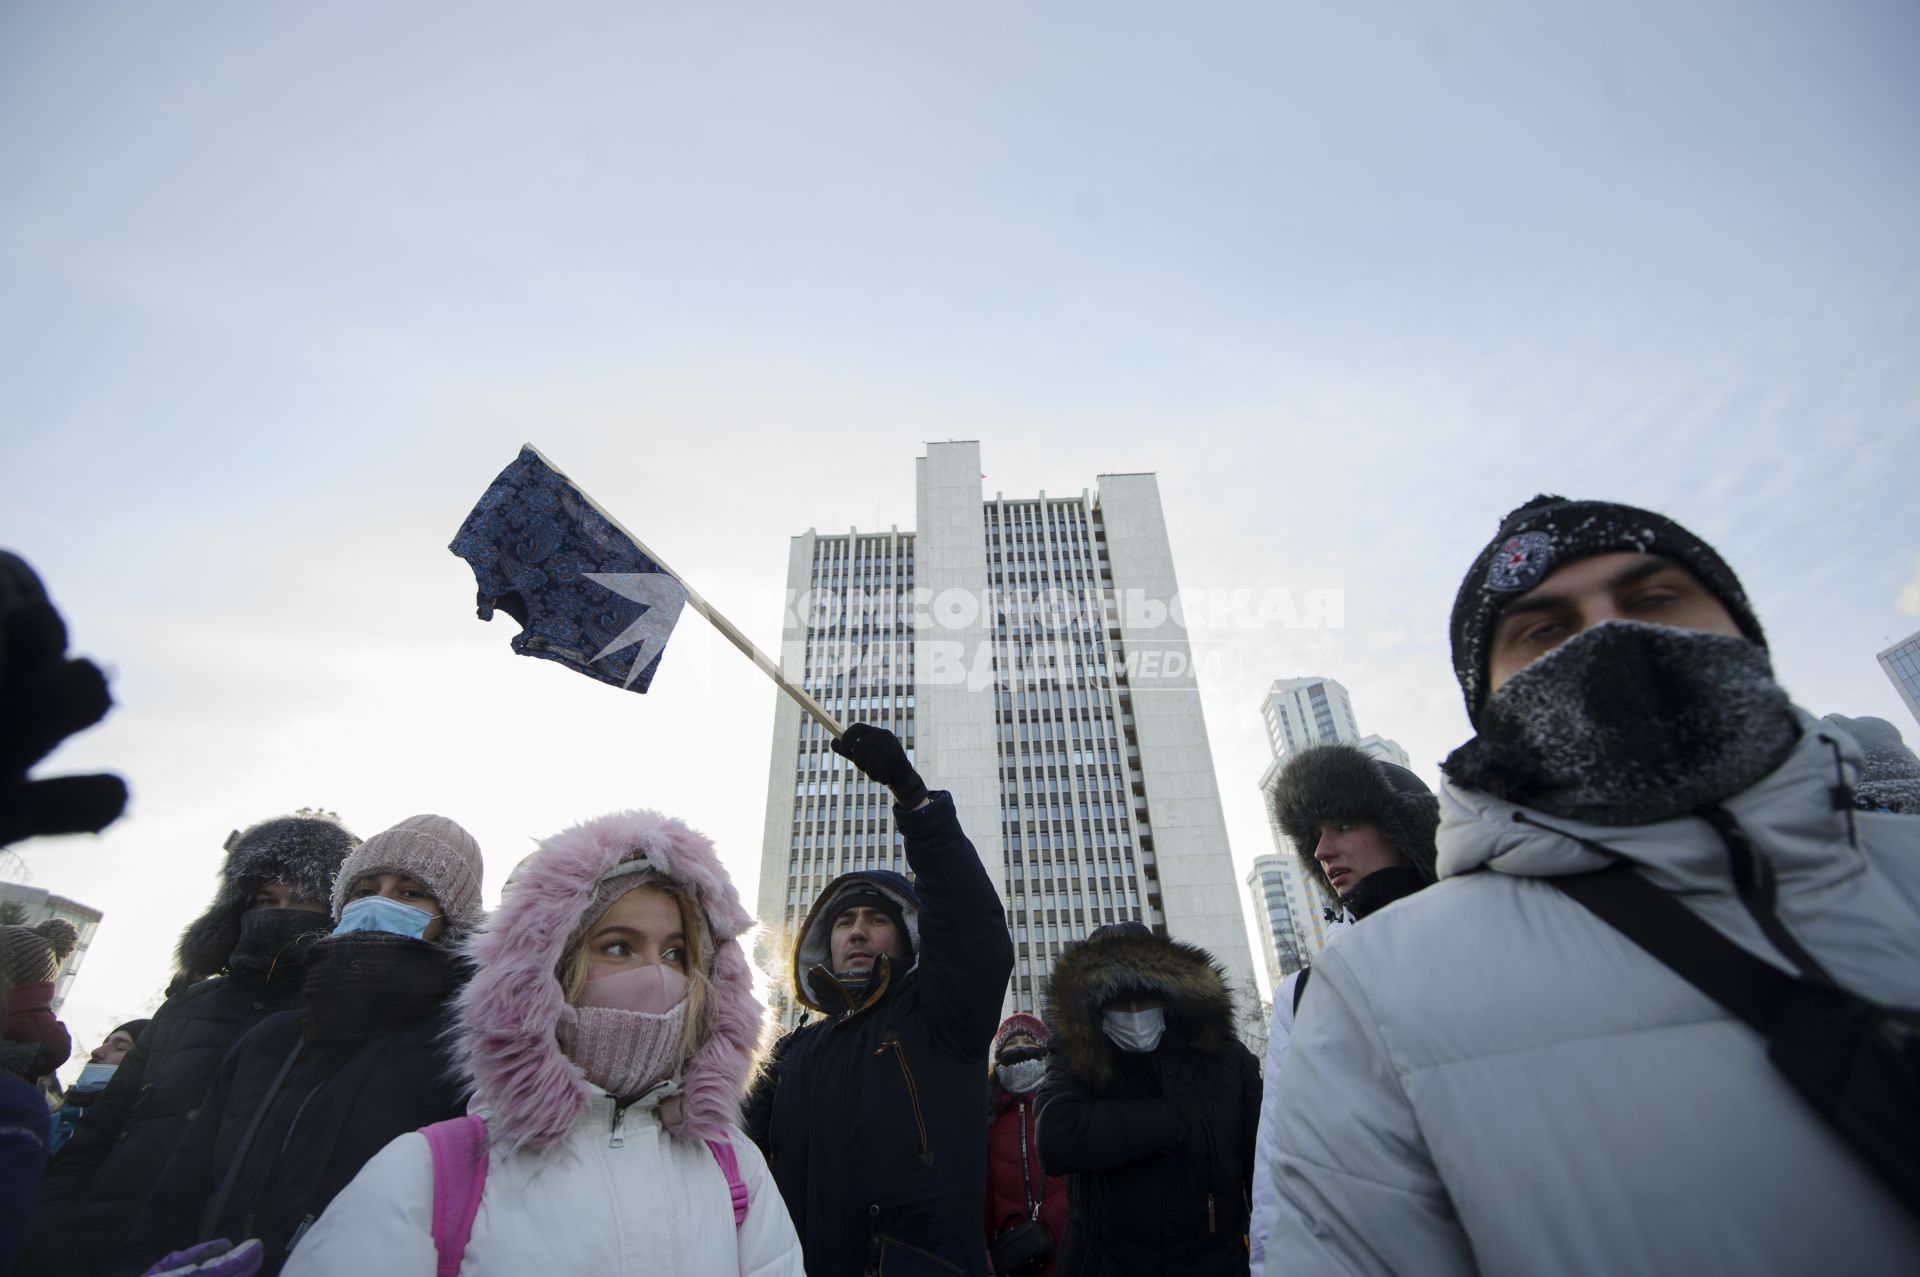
(1487, 1078)
(530, 1092)
(614, 1195)
(623, 1052)
(1889, 773)
(1629, 723)
(434, 851)
(1550, 532)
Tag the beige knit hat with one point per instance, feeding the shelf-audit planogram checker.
(437, 852)
(29, 955)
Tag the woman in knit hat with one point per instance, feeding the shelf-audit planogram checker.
(308, 1097)
(1021, 1196)
(30, 958)
(242, 960)
(609, 1032)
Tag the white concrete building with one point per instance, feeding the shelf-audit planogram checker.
(1291, 903)
(1024, 650)
(1902, 664)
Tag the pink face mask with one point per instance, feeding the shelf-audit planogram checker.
(651, 990)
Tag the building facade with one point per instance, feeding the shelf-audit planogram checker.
(1290, 903)
(1024, 651)
(25, 906)
(1902, 664)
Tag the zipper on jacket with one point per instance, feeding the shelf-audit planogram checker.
(305, 1223)
(873, 1240)
(615, 1139)
(1212, 1219)
(913, 1092)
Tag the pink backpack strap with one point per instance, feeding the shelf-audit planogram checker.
(736, 1187)
(459, 1147)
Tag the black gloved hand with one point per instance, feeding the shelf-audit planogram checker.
(880, 756)
(44, 698)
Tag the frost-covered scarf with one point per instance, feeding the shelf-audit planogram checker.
(1629, 723)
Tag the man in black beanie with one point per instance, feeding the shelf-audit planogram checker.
(1491, 1077)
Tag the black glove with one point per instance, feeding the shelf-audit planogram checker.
(44, 698)
(879, 755)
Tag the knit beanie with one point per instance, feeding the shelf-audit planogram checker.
(1339, 782)
(29, 955)
(435, 852)
(304, 852)
(1017, 1023)
(132, 1028)
(1550, 532)
(862, 895)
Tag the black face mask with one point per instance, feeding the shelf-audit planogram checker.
(1381, 888)
(368, 983)
(276, 940)
(1629, 723)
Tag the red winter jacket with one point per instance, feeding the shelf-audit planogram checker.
(30, 1019)
(1006, 1202)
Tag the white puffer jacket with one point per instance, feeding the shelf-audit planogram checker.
(1487, 1078)
(613, 1197)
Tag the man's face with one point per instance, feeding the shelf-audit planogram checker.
(1624, 586)
(113, 1050)
(861, 934)
(1349, 850)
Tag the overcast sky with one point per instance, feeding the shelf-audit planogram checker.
(282, 287)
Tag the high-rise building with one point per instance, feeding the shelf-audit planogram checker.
(1025, 652)
(1291, 904)
(24, 906)
(1902, 664)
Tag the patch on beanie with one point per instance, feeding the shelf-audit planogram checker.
(1520, 562)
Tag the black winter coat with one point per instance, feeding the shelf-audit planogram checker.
(117, 1152)
(1157, 1147)
(335, 1109)
(874, 1120)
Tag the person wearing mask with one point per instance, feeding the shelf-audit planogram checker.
(609, 1033)
(241, 960)
(1499, 1074)
(872, 1115)
(36, 1043)
(309, 1096)
(1024, 1204)
(1149, 1108)
(102, 1063)
(1364, 827)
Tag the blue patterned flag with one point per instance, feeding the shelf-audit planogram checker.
(584, 591)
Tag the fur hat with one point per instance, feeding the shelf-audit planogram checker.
(1550, 532)
(434, 851)
(1020, 1022)
(1125, 960)
(29, 955)
(530, 1091)
(302, 851)
(1340, 782)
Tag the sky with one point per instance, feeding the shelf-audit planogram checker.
(282, 287)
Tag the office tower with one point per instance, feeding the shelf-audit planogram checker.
(1292, 905)
(1024, 650)
(1902, 664)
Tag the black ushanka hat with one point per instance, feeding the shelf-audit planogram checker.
(1549, 532)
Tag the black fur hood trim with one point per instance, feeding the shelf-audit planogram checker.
(1127, 959)
(1339, 782)
(304, 852)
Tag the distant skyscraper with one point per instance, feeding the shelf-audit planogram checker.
(1024, 651)
(1291, 904)
(26, 906)
(1902, 664)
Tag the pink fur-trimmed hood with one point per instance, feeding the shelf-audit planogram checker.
(528, 1089)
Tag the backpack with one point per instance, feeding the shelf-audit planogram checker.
(459, 1148)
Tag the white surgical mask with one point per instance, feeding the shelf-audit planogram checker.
(1135, 1030)
(94, 1075)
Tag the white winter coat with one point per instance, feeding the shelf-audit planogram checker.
(1488, 1078)
(616, 1195)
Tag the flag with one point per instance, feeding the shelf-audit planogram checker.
(584, 591)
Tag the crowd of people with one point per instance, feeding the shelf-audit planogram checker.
(1636, 991)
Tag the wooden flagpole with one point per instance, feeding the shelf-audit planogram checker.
(704, 608)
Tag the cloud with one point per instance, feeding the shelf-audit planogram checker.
(1909, 600)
